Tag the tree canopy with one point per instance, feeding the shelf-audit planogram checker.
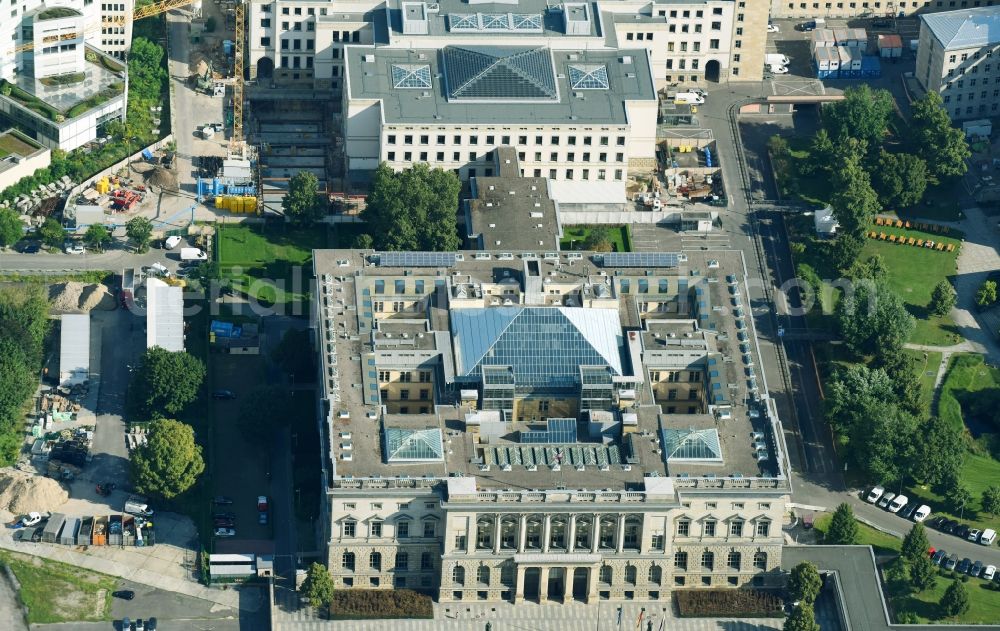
(11, 227)
(955, 601)
(943, 298)
(598, 239)
(802, 618)
(884, 447)
(139, 230)
(923, 573)
(941, 453)
(318, 586)
(987, 293)
(52, 233)
(96, 236)
(901, 179)
(164, 383)
(170, 461)
(415, 209)
(873, 318)
(302, 202)
(915, 543)
(943, 147)
(804, 583)
(991, 500)
(863, 114)
(843, 529)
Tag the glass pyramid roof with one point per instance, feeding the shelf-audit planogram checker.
(692, 445)
(545, 346)
(410, 75)
(588, 76)
(511, 73)
(413, 445)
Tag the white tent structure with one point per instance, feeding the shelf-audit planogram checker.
(164, 315)
(826, 223)
(74, 349)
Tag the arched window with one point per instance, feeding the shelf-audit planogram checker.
(734, 560)
(483, 575)
(347, 561)
(630, 574)
(402, 561)
(655, 574)
(484, 533)
(533, 539)
(607, 532)
(606, 574)
(681, 560)
(508, 532)
(760, 560)
(584, 531)
(708, 560)
(375, 560)
(458, 575)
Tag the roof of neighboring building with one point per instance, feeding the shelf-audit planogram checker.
(513, 213)
(535, 85)
(966, 28)
(457, 18)
(164, 315)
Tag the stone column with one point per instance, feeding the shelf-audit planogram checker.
(546, 532)
(568, 585)
(522, 533)
(543, 584)
(571, 528)
(496, 535)
(595, 534)
(591, 585)
(620, 538)
(519, 585)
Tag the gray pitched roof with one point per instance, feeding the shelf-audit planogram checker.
(967, 28)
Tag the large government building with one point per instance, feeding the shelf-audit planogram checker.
(546, 426)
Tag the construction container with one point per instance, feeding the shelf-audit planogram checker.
(115, 530)
(100, 537)
(86, 529)
(890, 46)
(827, 58)
(52, 529)
(871, 66)
(68, 535)
(841, 35)
(823, 38)
(858, 38)
(128, 531)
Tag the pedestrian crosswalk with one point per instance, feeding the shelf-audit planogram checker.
(287, 615)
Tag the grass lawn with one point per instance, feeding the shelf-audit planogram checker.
(272, 264)
(913, 273)
(574, 236)
(57, 592)
(927, 366)
(984, 604)
(867, 536)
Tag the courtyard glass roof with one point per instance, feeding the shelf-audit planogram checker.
(692, 445)
(544, 346)
(413, 445)
(499, 73)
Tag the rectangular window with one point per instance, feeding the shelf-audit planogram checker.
(349, 528)
(709, 528)
(403, 530)
(375, 530)
(683, 527)
(736, 529)
(763, 529)
(429, 529)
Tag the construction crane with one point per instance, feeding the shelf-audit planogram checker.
(236, 144)
(117, 20)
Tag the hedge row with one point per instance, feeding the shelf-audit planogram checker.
(728, 603)
(353, 604)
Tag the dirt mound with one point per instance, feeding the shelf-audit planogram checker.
(23, 493)
(162, 178)
(97, 297)
(74, 297)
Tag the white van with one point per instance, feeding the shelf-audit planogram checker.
(897, 503)
(138, 506)
(689, 98)
(988, 537)
(874, 495)
(775, 59)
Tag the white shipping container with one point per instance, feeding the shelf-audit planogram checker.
(845, 57)
(823, 38)
(841, 35)
(827, 58)
(856, 56)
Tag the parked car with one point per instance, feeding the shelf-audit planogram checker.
(126, 624)
(262, 518)
(939, 557)
(778, 69)
(897, 503)
(225, 532)
(75, 248)
(874, 495)
(989, 572)
(31, 519)
(949, 526)
(124, 594)
(976, 569)
(974, 535)
(888, 497)
(223, 394)
(262, 503)
(882, 24)
(962, 531)
(171, 242)
(921, 513)
(936, 522)
(31, 248)
(139, 625)
(151, 624)
(772, 27)
(951, 562)
(907, 511)
(224, 523)
(988, 537)
(964, 565)
(222, 500)
(224, 516)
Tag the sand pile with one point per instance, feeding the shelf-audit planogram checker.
(162, 178)
(23, 493)
(74, 297)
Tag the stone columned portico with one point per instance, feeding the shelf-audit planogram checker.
(556, 577)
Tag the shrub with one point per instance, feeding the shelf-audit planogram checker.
(729, 603)
(376, 604)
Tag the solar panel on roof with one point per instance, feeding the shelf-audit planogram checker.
(416, 259)
(642, 259)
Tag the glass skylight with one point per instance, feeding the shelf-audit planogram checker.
(411, 76)
(588, 76)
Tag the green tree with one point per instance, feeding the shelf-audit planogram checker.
(318, 586)
(170, 461)
(852, 393)
(942, 146)
(863, 114)
(52, 233)
(960, 498)
(598, 239)
(302, 202)
(139, 230)
(415, 209)
(364, 241)
(955, 601)
(991, 500)
(905, 377)
(163, 383)
(873, 318)
(845, 250)
(804, 583)
(941, 454)
(915, 543)
(884, 447)
(802, 618)
(11, 227)
(943, 298)
(853, 199)
(18, 380)
(261, 413)
(922, 572)
(901, 179)
(843, 530)
(822, 152)
(987, 293)
(872, 268)
(96, 236)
